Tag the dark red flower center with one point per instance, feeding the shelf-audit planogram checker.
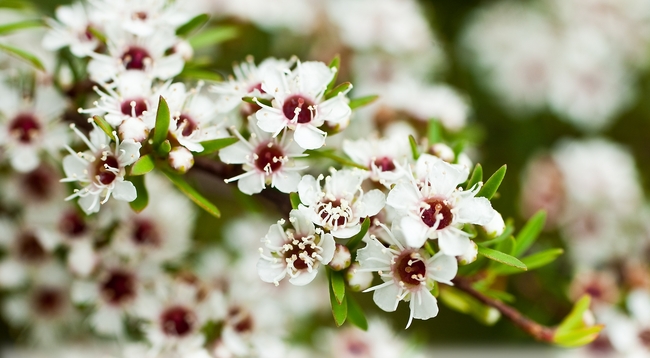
(133, 107)
(145, 233)
(48, 301)
(189, 125)
(30, 249)
(332, 212)
(358, 348)
(241, 320)
(106, 169)
(25, 127)
(118, 287)
(269, 157)
(177, 321)
(385, 164)
(644, 336)
(39, 183)
(72, 224)
(301, 105)
(439, 212)
(299, 248)
(135, 57)
(409, 268)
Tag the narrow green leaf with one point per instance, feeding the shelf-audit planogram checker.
(6, 29)
(104, 126)
(339, 310)
(142, 200)
(16, 4)
(532, 262)
(143, 166)
(529, 233)
(501, 257)
(191, 193)
(254, 100)
(23, 55)
(354, 241)
(338, 285)
(334, 64)
(355, 314)
(477, 177)
(343, 87)
(192, 25)
(212, 146)
(362, 101)
(492, 185)
(434, 131)
(575, 319)
(326, 153)
(295, 200)
(97, 34)
(165, 148)
(162, 123)
(200, 74)
(415, 152)
(578, 337)
(213, 36)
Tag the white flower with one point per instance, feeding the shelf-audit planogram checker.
(434, 207)
(408, 274)
(101, 170)
(72, 29)
(299, 103)
(380, 156)
(266, 160)
(341, 204)
(26, 252)
(296, 252)
(142, 17)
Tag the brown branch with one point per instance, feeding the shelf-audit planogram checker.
(538, 331)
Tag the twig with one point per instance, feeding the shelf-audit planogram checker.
(538, 331)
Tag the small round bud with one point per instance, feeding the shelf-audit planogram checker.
(133, 128)
(470, 255)
(181, 159)
(341, 259)
(495, 227)
(443, 152)
(358, 280)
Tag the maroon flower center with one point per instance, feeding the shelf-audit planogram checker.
(48, 301)
(140, 15)
(242, 321)
(177, 321)
(644, 336)
(106, 169)
(300, 104)
(30, 249)
(135, 57)
(301, 252)
(385, 164)
(189, 125)
(145, 233)
(439, 212)
(358, 349)
(39, 183)
(331, 212)
(133, 107)
(118, 287)
(72, 225)
(269, 157)
(25, 127)
(410, 269)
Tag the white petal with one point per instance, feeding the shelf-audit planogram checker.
(125, 191)
(403, 197)
(424, 305)
(347, 232)
(335, 110)
(269, 271)
(129, 152)
(308, 190)
(270, 120)
(238, 153)
(304, 277)
(276, 236)
(168, 67)
(374, 256)
(475, 211)
(414, 230)
(442, 268)
(452, 244)
(82, 258)
(373, 201)
(386, 297)
(12, 273)
(314, 76)
(107, 321)
(638, 302)
(24, 158)
(84, 292)
(446, 177)
(74, 167)
(301, 223)
(251, 184)
(308, 138)
(286, 182)
(89, 203)
(328, 245)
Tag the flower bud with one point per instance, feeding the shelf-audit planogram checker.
(133, 128)
(184, 49)
(181, 159)
(341, 259)
(443, 152)
(470, 255)
(358, 280)
(496, 226)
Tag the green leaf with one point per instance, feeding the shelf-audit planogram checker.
(532, 262)
(529, 233)
(16, 4)
(338, 285)
(213, 36)
(165, 148)
(575, 319)
(492, 185)
(212, 146)
(477, 177)
(254, 100)
(6, 29)
(354, 241)
(434, 131)
(200, 75)
(195, 23)
(191, 193)
(97, 34)
(326, 153)
(579, 337)
(334, 64)
(355, 314)
(415, 152)
(295, 200)
(362, 101)
(142, 200)
(501, 257)
(104, 126)
(143, 166)
(342, 88)
(23, 55)
(162, 123)
(339, 310)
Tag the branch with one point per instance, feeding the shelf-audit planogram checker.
(538, 331)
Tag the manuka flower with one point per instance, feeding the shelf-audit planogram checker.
(299, 103)
(434, 207)
(101, 170)
(408, 274)
(341, 204)
(296, 252)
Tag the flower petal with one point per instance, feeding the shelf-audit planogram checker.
(414, 231)
(386, 297)
(372, 202)
(442, 268)
(308, 137)
(124, 190)
(451, 244)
